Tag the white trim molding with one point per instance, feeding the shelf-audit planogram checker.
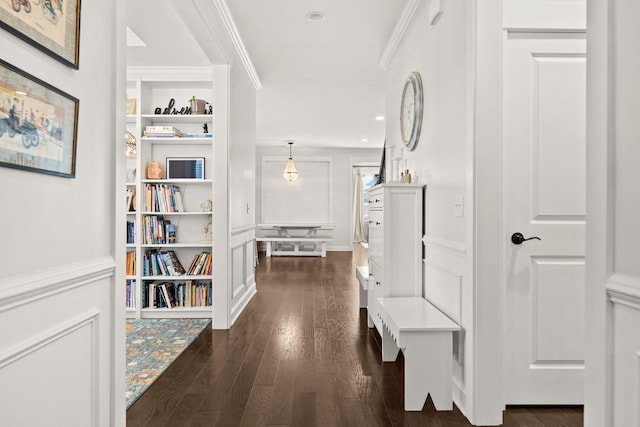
(170, 73)
(534, 15)
(399, 30)
(625, 290)
(451, 246)
(23, 289)
(234, 35)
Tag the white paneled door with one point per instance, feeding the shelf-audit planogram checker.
(544, 197)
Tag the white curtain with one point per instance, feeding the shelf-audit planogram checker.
(358, 220)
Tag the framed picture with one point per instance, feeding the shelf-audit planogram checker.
(38, 124)
(53, 26)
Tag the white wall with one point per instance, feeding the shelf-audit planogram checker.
(440, 53)
(341, 161)
(58, 289)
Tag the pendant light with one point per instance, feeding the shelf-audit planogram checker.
(290, 173)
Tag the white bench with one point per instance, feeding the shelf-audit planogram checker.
(425, 335)
(362, 274)
(298, 246)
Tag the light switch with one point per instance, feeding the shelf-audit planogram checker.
(458, 207)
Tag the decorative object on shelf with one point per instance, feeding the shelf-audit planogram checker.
(290, 173)
(411, 111)
(154, 171)
(39, 131)
(171, 108)
(131, 106)
(54, 28)
(206, 206)
(130, 149)
(131, 175)
(405, 177)
(205, 128)
(197, 105)
(207, 233)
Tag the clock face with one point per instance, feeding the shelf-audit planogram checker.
(411, 111)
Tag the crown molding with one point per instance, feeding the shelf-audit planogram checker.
(398, 32)
(234, 35)
(170, 73)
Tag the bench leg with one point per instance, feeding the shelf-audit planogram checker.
(363, 298)
(389, 348)
(324, 250)
(268, 249)
(427, 370)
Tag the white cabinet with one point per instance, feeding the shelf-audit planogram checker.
(162, 95)
(395, 244)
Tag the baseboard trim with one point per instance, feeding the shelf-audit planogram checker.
(238, 308)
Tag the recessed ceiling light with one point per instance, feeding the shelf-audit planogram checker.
(364, 140)
(380, 118)
(315, 16)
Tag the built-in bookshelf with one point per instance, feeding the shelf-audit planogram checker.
(170, 220)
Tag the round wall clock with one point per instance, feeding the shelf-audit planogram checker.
(411, 111)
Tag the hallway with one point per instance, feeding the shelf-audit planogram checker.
(300, 355)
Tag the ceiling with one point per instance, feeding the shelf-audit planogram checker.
(322, 85)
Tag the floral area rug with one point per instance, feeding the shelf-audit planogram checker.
(152, 345)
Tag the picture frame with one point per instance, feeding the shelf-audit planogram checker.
(38, 124)
(52, 26)
(185, 167)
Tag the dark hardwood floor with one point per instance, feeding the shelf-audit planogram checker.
(300, 355)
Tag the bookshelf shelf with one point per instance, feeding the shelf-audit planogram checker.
(177, 141)
(176, 245)
(177, 278)
(177, 213)
(152, 89)
(177, 181)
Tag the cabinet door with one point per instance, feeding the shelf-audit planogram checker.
(375, 291)
(376, 232)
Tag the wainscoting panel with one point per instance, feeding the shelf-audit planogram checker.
(558, 303)
(56, 352)
(242, 269)
(624, 294)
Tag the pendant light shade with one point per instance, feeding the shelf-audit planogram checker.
(290, 173)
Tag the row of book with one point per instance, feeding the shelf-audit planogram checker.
(158, 231)
(131, 200)
(183, 294)
(131, 293)
(131, 263)
(131, 232)
(200, 264)
(163, 198)
(159, 263)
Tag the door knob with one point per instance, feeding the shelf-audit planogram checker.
(518, 238)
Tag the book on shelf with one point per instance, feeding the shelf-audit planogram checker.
(131, 263)
(131, 293)
(182, 294)
(161, 132)
(131, 232)
(200, 264)
(161, 263)
(198, 135)
(163, 198)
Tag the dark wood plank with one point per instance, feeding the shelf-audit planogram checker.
(301, 354)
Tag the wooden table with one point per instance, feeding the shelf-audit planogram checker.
(295, 239)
